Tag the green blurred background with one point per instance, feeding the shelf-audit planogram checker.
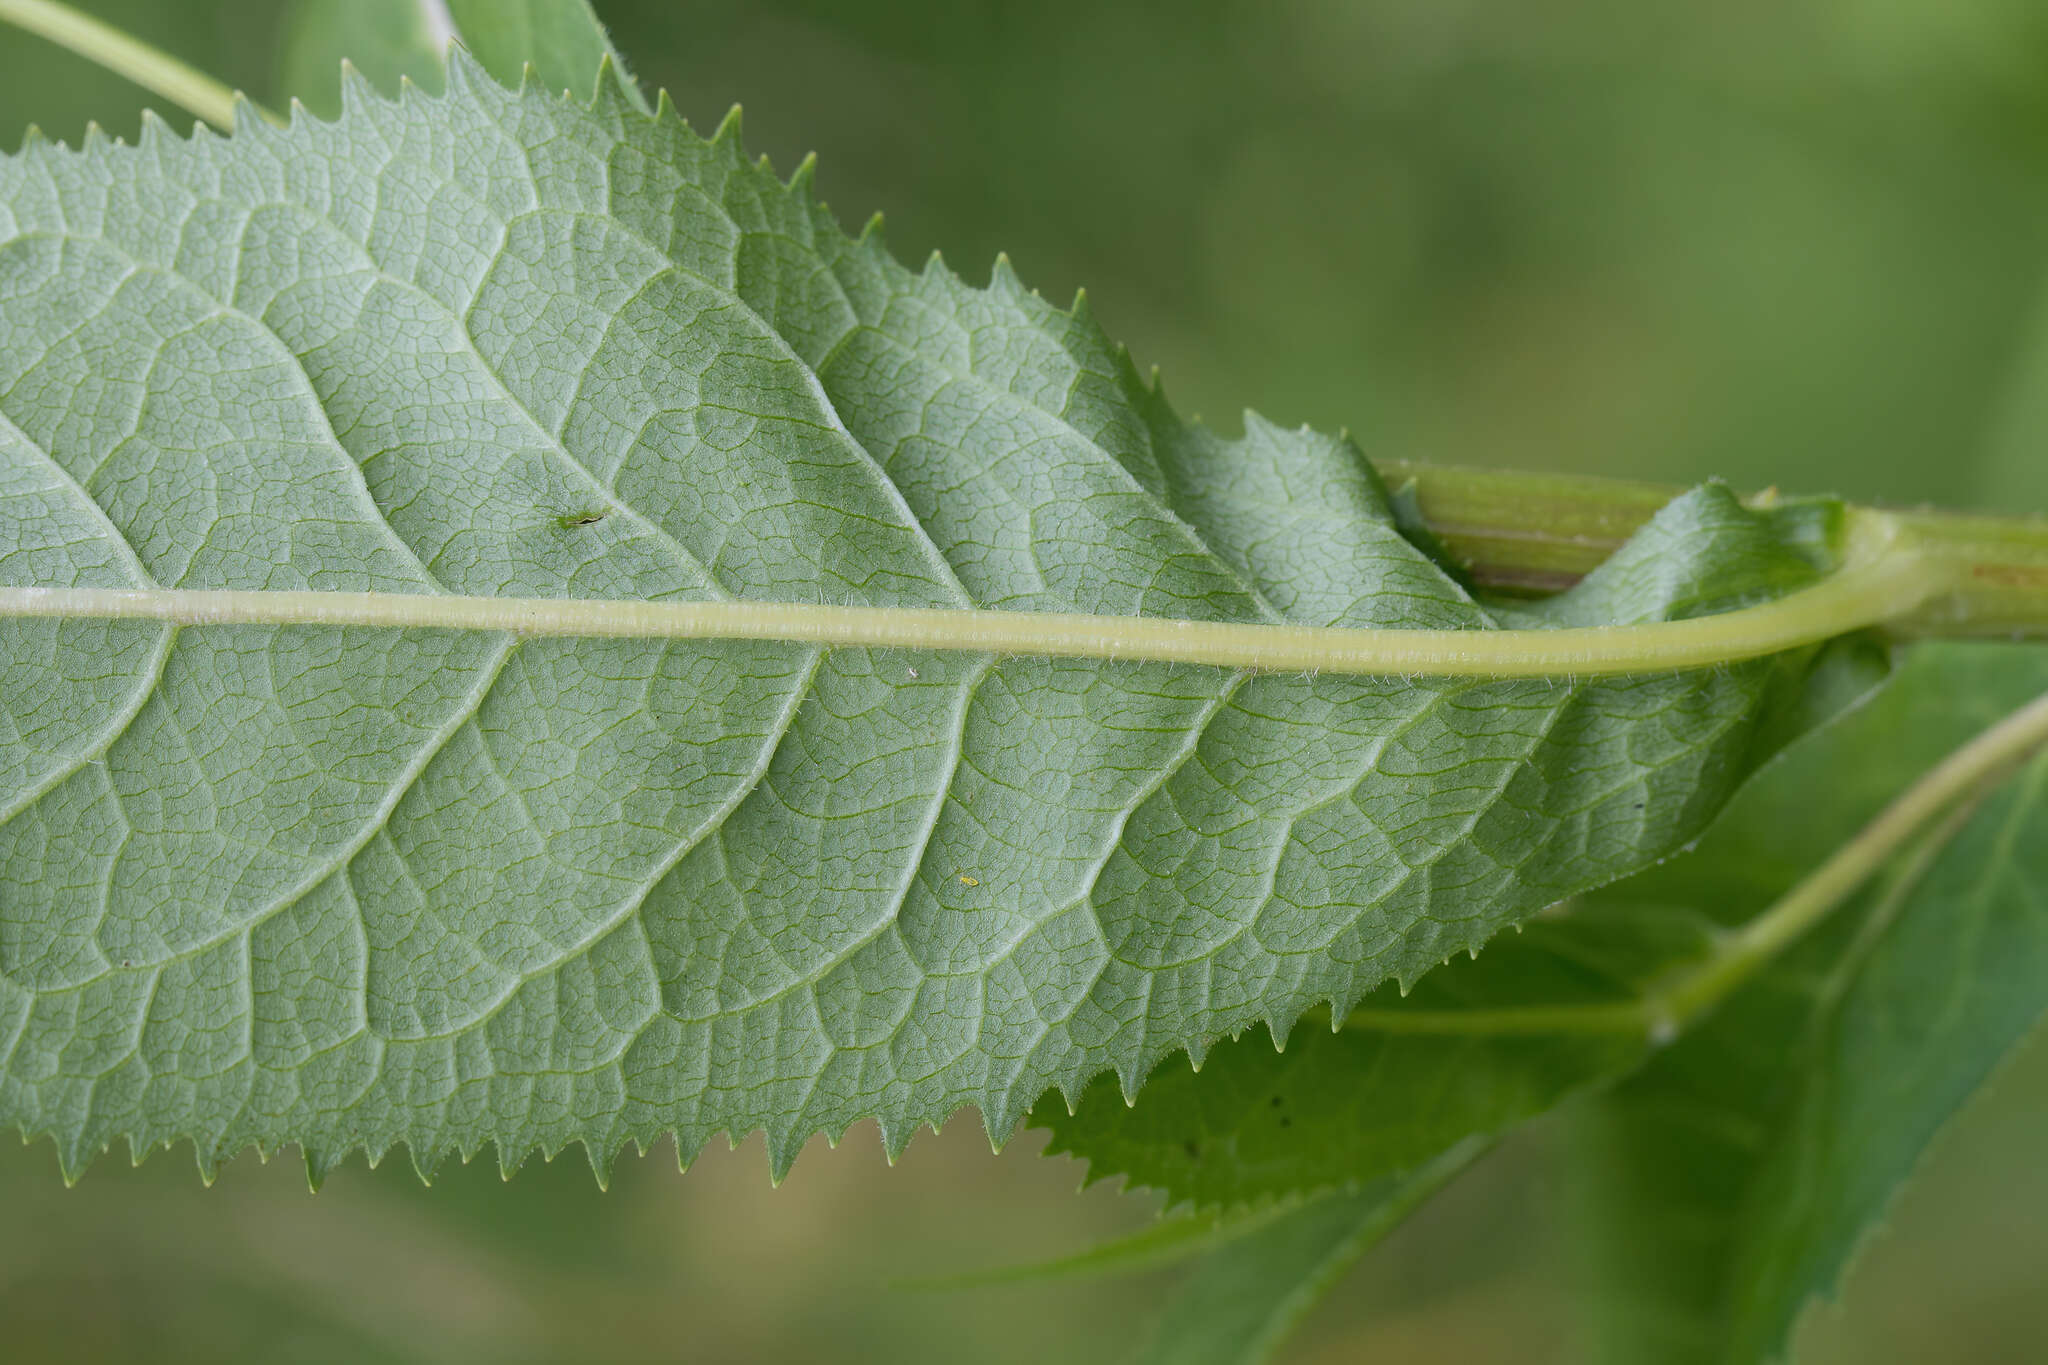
(1802, 244)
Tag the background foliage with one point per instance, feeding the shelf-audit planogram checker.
(1804, 245)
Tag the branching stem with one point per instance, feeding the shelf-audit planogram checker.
(151, 68)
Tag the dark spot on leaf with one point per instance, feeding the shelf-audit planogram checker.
(1277, 1101)
(1286, 1122)
(1193, 1149)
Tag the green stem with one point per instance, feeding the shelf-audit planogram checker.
(1939, 800)
(149, 67)
(1978, 765)
(1536, 533)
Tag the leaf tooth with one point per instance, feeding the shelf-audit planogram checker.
(74, 1156)
(1001, 1125)
(209, 1158)
(610, 95)
(728, 135)
(155, 132)
(871, 233)
(1002, 279)
(601, 1160)
(689, 1142)
(466, 75)
(803, 180)
(665, 111)
(249, 120)
(96, 143)
(785, 1139)
(1256, 424)
(1001, 1111)
(1198, 1052)
(425, 1158)
(510, 1157)
(320, 1162)
(357, 93)
(897, 1131)
(1130, 1075)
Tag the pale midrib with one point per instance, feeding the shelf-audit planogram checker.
(1860, 596)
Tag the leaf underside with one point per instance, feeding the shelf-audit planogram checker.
(356, 888)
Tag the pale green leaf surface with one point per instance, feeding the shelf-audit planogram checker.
(355, 887)
(1410, 1076)
(1238, 1305)
(1733, 1178)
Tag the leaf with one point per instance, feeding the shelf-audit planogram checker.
(1409, 1077)
(1238, 1305)
(1381, 1096)
(386, 40)
(351, 887)
(561, 38)
(1735, 1176)
(390, 40)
